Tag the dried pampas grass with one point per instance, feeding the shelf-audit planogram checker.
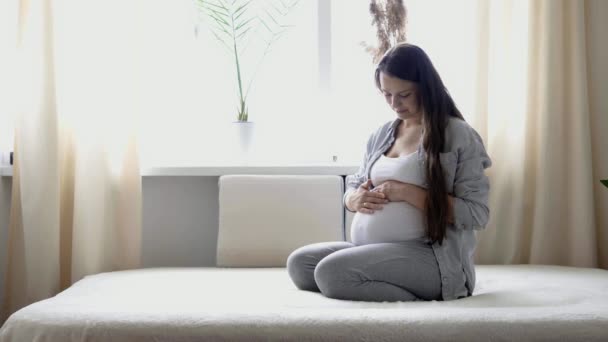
(389, 17)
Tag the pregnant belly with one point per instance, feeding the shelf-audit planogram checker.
(397, 221)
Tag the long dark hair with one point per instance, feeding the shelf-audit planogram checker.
(409, 62)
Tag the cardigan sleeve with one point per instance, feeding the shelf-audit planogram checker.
(355, 180)
(471, 185)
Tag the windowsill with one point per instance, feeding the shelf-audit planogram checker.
(219, 170)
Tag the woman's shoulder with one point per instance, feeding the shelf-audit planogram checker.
(459, 133)
(463, 139)
(387, 127)
(383, 130)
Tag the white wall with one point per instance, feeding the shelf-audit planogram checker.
(180, 221)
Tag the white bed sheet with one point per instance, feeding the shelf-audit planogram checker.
(519, 303)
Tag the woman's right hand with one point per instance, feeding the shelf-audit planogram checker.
(365, 201)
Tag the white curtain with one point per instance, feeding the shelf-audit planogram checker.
(76, 189)
(541, 107)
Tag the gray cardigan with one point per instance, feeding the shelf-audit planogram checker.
(464, 161)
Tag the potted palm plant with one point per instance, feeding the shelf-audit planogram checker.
(237, 24)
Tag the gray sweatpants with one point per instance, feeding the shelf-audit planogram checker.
(401, 271)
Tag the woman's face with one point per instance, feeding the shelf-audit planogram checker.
(401, 95)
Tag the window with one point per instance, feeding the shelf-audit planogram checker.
(191, 94)
(313, 97)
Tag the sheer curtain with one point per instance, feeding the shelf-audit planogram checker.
(76, 190)
(544, 118)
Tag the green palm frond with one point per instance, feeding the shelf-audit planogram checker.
(231, 20)
(605, 182)
(273, 14)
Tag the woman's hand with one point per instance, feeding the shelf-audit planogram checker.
(396, 191)
(392, 190)
(365, 200)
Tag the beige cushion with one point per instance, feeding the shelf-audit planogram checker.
(263, 219)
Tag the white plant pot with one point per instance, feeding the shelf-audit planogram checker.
(244, 136)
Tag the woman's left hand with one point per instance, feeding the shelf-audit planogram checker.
(392, 189)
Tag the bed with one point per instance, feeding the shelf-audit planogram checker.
(511, 303)
(250, 297)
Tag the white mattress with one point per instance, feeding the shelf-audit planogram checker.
(538, 303)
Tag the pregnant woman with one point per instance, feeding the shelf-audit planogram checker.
(419, 196)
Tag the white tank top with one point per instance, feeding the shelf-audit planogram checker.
(397, 221)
